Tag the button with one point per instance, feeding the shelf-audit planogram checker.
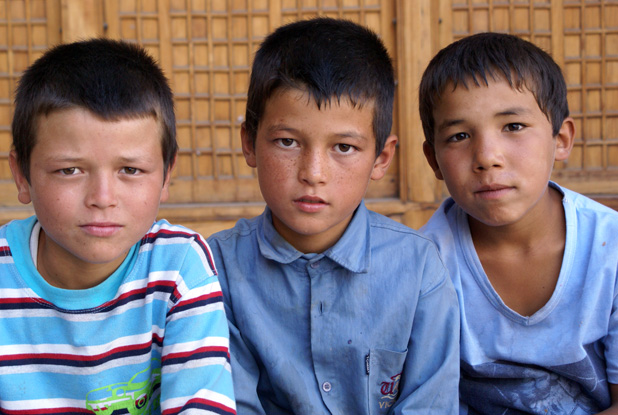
(326, 386)
(314, 265)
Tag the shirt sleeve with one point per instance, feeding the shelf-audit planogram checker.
(611, 340)
(195, 361)
(430, 378)
(246, 372)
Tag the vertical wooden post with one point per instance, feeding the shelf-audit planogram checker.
(414, 50)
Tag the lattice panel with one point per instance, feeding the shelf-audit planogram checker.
(591, 70)
(530, 20)
(207, 55)
(210, 72)
(27, 29)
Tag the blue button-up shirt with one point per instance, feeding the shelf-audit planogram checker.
(370, 326)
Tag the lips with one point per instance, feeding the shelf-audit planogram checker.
(493, 191)
(101, 229)
(310, 204)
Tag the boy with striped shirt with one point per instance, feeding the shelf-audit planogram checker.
(103, 309)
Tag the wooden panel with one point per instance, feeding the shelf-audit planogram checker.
(27, 29)
(206, 48)
(207, 54)
(591, 70)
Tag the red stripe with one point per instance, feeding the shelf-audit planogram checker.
(139, 291)
(196, 351)
(200, 241)
(81, 358)
(23, 300)
(43, 411)
(197, 299)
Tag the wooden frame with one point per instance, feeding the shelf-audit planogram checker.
(206, 47)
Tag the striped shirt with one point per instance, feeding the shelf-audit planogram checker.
(152, 338)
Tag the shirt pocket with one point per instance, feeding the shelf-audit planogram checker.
(384, 369)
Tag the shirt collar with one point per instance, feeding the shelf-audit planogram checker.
(352, 251)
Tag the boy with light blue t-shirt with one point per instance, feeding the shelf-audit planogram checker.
(534, 264)
(333, 309)
(103, 310)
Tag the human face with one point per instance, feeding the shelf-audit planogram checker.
(495, 151)
(314, 165)
(95, 186)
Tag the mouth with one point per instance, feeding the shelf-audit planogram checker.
(101, 229)
(493, 191)
(310, 204)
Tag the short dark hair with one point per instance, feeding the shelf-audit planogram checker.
(110, 78)
(329, 59)
(498, 56)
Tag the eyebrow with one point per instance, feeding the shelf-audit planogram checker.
(69, 159)
(343, 134)
(504, 113)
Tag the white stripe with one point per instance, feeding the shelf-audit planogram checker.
(73, 370)
(17, 293)
(42, 403)
(202, 393)
(192, 364)
(196, 311)
(18, 349)
(212, 341)
(6, 259)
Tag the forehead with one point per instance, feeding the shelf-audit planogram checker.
(76, 129)
(75, 117)
(292, 105)
(495, 97)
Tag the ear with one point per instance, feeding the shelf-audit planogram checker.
(430, 155)
(165, 192)
(384, 159)
(565, 139)
(23, 187)
(248, 146)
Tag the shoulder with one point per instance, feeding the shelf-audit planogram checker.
(398, 246)
(15, 236)
(238, 241)
(175, 246)
(242, 229)
(385, 227)
(442, 224)
(583, 205)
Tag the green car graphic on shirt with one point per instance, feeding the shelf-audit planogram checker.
(138, 396)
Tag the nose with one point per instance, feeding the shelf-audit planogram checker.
(101, 192)
(313, 167)
(487, 152)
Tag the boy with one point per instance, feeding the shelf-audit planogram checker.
(534, 264)
(103, 309)
(333, 309)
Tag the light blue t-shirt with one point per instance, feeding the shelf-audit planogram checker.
(370, 326)
(560, 359)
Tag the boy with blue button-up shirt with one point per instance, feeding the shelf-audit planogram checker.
(333, 309)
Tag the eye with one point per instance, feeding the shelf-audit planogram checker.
(286, 142)
(458, 137)
(130, 170)
(69, 171)
(514, 126)
(344, 148)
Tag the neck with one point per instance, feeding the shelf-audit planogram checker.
(62, 270)
(536, 229)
